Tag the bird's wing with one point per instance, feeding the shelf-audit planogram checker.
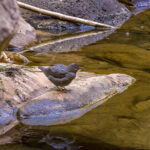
(67, 79)
(58, 71)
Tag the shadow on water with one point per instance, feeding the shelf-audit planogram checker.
(124, 121)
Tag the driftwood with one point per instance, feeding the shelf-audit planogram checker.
(62, 16)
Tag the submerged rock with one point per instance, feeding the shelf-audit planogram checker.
(39, 103)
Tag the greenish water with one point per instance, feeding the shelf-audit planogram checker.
(123, 121)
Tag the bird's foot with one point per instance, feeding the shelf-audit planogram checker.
(62, 89)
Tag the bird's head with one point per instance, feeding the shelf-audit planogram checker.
(74, 67)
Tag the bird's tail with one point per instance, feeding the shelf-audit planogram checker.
(44, 70)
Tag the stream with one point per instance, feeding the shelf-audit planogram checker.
(124, 121)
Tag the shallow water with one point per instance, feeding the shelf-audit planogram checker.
(123, 121)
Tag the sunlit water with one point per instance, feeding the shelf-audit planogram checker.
(123, 121)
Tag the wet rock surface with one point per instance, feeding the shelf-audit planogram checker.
(29, 89)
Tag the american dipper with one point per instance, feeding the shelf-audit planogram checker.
(61, 75)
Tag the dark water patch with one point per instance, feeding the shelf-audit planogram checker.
(110, 61)
(146, 70)
(126, 117)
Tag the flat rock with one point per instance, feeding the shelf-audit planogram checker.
(39, 103)
(85, 93)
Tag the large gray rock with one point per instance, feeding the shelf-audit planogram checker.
(13, 26)
(106, 11)
(8, 21)
(41, 104)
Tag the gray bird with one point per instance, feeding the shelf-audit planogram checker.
(61, 75)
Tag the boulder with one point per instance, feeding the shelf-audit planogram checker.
(25, 34)
(8, 21)
(110, 12)
(13, 26)
(29, 95)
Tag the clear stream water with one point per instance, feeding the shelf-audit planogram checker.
(124, 121)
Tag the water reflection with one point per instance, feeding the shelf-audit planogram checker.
(70, 42)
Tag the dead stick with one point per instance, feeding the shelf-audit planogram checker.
(62, 16)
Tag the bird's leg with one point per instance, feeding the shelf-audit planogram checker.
(64, 89)
(59, 88)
